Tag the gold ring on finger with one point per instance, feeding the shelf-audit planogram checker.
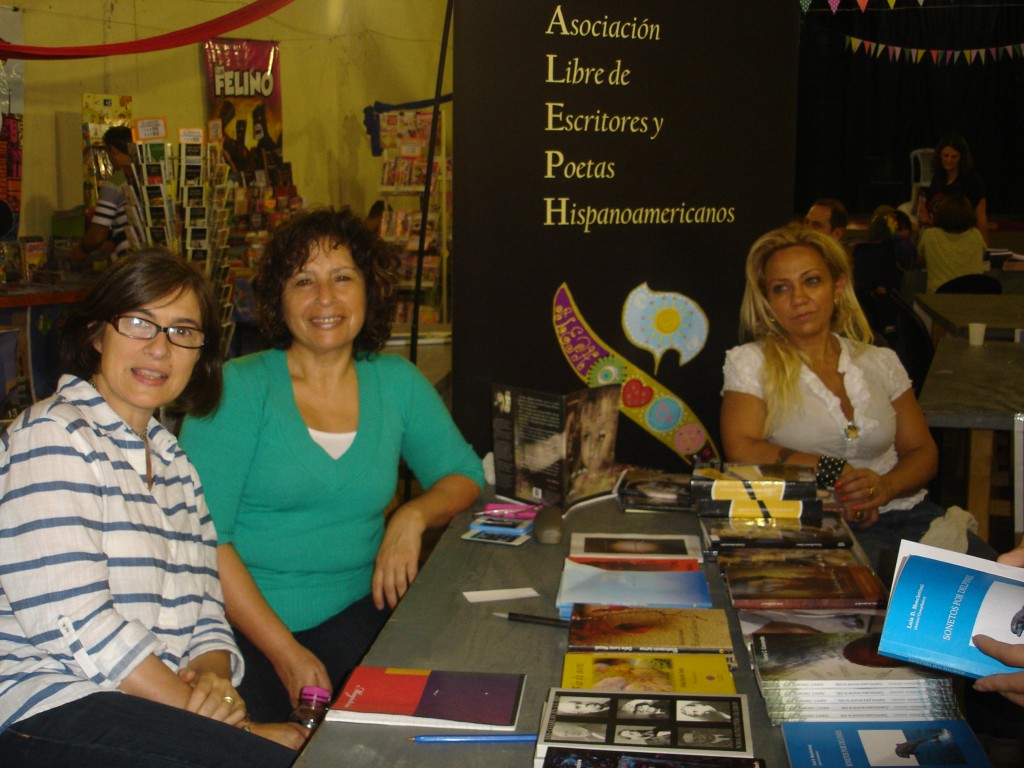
(229, 699)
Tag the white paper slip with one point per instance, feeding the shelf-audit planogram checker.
(491, 595)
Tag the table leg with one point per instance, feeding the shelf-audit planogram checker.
(979, 477)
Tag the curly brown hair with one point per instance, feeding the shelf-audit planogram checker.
(289, 250)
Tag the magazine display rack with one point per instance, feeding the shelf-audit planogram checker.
(405, 137)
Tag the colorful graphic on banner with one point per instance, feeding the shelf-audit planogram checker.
(659, 321)
(657, 410)
(243, 91)
(12, 107)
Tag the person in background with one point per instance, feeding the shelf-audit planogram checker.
(829, 216)
(953, 171)
(106, 232)
(953, 246)
(879, 264)
(300, 462)
(375, 216)
(811, 389)
(114, 646)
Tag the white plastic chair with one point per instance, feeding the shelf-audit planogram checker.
(921, 167)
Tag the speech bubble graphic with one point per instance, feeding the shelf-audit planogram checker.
(659, 321)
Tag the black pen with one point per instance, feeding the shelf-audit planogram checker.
(550, 621)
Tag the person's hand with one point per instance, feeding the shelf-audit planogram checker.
(298, 667)
(862, 491)
(1009, 684)
(213, 696)
(398, 557)
(291, 735)
(1013, 557)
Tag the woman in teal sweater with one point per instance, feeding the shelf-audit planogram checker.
(300, 463)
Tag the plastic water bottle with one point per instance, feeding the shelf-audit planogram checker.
(312, 708)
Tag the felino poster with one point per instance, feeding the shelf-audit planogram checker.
(243, 91)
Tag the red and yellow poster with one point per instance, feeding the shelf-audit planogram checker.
(243, 87)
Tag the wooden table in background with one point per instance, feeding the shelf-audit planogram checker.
(980, 389)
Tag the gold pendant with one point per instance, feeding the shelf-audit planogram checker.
(851, 432)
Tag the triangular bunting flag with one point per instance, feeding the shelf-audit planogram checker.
(969, 55)
(935, 56)
(898, 52)
(854, 43)
(863, 5)
(992, 54)
(918, 55)
(891, 4)
(804, 5)
(834, 5)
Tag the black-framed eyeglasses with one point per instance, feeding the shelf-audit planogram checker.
(142, 329)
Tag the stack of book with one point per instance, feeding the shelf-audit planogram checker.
(842, 677)
(758, 491)
(633, 570)
(724, 533)
(645, 723)
(651, 490)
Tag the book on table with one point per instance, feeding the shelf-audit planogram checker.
(842, 676)
(766, 482)
(941, 600)
(634, 546)
(804, 586)
(735, 532)
(552, 448)
(834, 621)
(678, 583)
(644, 673)
(670, 723)
(645, 629)
(566, 757)
(652, 490)
(430, 698)
(867, 743)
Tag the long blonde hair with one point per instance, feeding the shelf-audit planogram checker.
(757, 321)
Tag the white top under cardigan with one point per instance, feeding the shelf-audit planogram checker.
(873, 379)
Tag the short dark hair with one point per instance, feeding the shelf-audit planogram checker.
(289, 250)
(954, 213)
(119, 137)
(836, 212)
(133, 282)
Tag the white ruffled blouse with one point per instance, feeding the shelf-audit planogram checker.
(816, 424)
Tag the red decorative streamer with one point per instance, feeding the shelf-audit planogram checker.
(254, 11)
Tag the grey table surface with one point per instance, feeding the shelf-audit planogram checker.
(435, 627)
(974, 387)
(953, 311)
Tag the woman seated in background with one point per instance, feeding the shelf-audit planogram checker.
(953, 171)
(953, 247)
(114, 647)
(300, 462)
(811, 389)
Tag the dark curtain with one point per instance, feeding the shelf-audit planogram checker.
(859, 116)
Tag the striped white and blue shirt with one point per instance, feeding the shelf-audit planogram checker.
(98, 571)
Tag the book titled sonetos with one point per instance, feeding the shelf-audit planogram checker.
(941, 600)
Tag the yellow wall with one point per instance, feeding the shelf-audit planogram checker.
(337, 56)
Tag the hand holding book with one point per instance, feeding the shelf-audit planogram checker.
(1011, 684)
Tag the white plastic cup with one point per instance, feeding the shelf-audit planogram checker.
(976, 334)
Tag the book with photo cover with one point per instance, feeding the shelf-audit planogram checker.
(941, 600)
(804, 586)
(648, 672)
(732, 532)
(672, 723)
(676, 583)
(652, 490)
(430, 698)
(866, 743)
(638, 629)
(836, 621)
(565, 757)
(634, 546)
(555, 449)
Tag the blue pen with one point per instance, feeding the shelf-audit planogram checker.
(479, 738)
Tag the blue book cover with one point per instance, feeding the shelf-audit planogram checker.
(949, 743)
(941, 600)
(614, 584)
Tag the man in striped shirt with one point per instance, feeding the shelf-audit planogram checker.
(109, 220)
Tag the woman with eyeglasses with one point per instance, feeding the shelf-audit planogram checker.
(114, 646)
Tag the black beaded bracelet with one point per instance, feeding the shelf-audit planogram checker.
(828, 470)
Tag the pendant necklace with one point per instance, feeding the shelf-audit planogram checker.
(851, 431)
